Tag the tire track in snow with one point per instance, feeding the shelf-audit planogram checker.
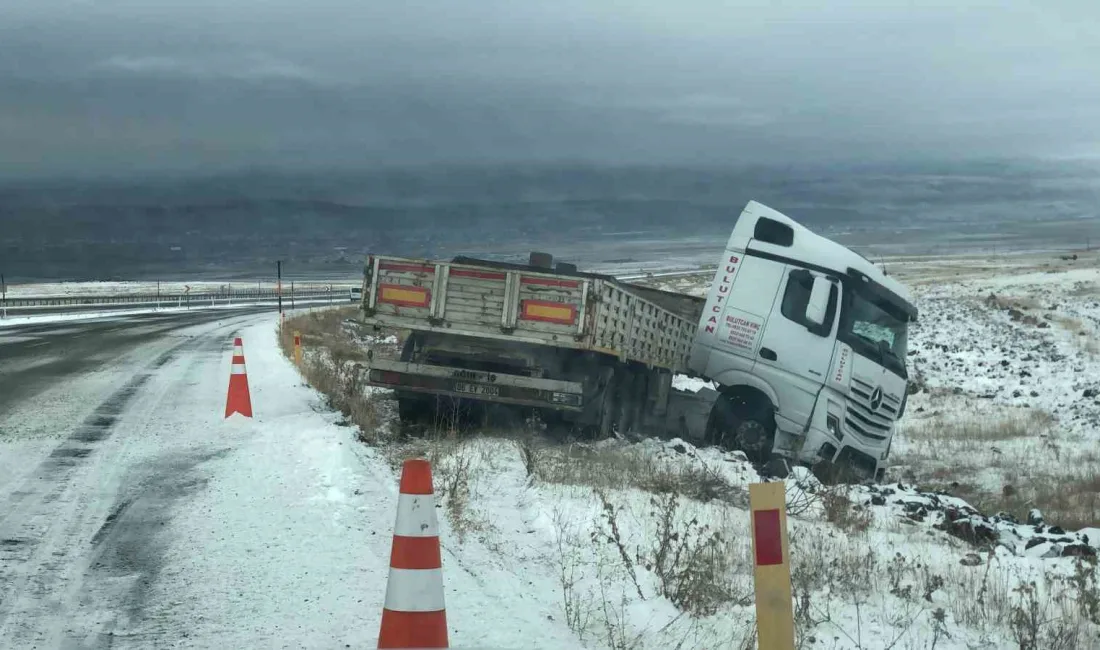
(41, 529)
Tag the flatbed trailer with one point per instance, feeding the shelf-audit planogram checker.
(584, 349)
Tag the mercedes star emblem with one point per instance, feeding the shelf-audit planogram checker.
(876, 399)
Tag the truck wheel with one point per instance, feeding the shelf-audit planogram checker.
(631, 401)
(412, 410)
(609, 413)
(409, 349)
(609, 404)
(735, 423)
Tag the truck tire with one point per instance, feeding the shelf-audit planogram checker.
(631, 401)
(409, 349)
(609, 404)
(412, 410)
(739, 424)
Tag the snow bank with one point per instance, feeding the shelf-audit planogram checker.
(288, 544)
(691, 384)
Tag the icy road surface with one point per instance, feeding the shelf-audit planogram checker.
(132, 515)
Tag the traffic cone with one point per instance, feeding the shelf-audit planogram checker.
(413, 615)
(238, 400)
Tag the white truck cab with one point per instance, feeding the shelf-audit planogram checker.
(807, 342)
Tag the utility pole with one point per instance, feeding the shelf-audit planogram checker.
(279, 284)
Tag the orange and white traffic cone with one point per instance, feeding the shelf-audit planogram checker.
(238, 400)
(413, 615)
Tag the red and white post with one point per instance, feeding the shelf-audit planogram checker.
(771, 566)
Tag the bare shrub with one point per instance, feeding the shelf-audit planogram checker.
(840, 511)
(571, 566)
(1036, 625)
(453, 472)
(530, 454)
(613, 536)
(820, 559)
(696, 566)
(613, 614)
(1086, 589)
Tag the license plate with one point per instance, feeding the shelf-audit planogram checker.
(476, 389)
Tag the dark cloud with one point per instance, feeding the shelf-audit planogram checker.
(116, 86)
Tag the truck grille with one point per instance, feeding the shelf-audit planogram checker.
(865, 421)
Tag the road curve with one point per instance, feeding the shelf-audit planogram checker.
(96, 447)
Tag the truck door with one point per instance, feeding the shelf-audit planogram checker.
(794, 354)
(740, 298)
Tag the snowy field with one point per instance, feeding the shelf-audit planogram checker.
(645, 545)
(278, 532)
(1006, 357)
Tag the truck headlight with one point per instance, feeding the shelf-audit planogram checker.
(832, 423)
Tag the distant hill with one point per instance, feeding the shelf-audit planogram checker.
(324, 222)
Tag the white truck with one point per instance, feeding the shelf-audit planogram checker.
(803, 339)
(807, 342)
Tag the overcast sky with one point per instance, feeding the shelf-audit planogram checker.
(142, 85)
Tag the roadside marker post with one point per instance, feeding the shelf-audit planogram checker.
(297, 348)
(771, 566)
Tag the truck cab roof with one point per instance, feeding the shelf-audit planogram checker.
(772, 234)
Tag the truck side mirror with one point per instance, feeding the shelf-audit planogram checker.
(817, 307)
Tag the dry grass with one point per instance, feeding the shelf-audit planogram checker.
(605, 468)
(1091, 347)
(979, 431)
(333, 366)
(1070, 324)
(996, 598)
(1071, 501)
(1008, 463)
(840, 511)
(1012, 302)
(1085, 290)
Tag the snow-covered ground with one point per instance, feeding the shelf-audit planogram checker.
(1009, 361)
(186, 530)
(874, 567)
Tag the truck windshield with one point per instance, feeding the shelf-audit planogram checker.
(875, 328)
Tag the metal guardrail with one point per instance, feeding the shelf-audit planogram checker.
(138, 300)
(127, 298)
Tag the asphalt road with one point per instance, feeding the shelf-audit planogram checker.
(35, 357)
(98, 443)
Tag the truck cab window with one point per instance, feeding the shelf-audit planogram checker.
(772, 232)
(797, 295)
